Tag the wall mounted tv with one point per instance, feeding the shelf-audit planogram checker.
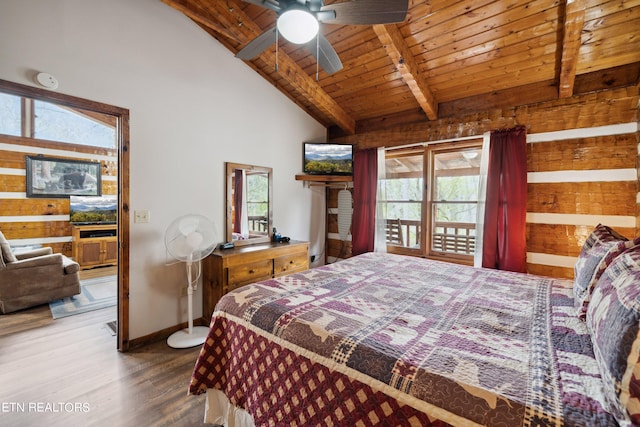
(327, 159)
(85, 210)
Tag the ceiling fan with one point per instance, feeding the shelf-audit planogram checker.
(298, 22)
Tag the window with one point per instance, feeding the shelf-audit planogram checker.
(43, 120)
(258, 201)
(56, 123)
(454, 200)
(10, 114)
(402, 206)
(446, 212)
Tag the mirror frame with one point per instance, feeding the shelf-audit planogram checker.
(230, 167)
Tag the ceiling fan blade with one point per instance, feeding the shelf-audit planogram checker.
(315, 5)
(325, 54)
(366, 12)
(269, 4)
(256, 46)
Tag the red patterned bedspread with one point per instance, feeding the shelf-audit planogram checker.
(383, 339)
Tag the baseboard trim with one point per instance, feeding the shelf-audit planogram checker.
(163, 334)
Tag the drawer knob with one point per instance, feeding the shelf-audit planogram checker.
(251, 271)
(291, 262)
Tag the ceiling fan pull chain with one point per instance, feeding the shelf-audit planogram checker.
(318, 57)
(276, 49)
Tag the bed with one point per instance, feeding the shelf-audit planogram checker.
(383, 339)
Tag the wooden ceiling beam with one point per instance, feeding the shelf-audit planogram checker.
(199, 18)
(399, 52)
(287, 68)
(571, 41)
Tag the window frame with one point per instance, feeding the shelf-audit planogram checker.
(429, 152)
(29, 121)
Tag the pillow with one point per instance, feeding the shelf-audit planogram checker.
(5, 250)
(600, 248)
(613, 319)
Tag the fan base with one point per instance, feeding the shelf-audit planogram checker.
(184, 339)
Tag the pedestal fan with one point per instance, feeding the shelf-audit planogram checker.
(189, 239)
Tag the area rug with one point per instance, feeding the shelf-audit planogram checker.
(95, 294)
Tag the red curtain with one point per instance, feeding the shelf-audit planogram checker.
(365, 184)
(504, 240)
(237, 201)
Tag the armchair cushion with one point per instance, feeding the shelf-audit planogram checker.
(69, 265)
(34, 253)
(55, 260)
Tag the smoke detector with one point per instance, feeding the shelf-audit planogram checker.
(46, 80)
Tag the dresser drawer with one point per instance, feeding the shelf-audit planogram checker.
(249, 273)
(289, 263)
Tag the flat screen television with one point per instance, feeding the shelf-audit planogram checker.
(327, 159)
(84, 210)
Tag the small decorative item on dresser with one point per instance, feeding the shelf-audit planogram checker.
(278, 238)
(275, 237)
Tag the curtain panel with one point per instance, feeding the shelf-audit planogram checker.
(380, 242)
(482, 199)
(504, 237)
(238, 191)
(365, 187)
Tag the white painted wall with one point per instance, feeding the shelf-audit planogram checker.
(193, 106)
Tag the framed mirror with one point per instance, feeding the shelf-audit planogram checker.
(249, 214)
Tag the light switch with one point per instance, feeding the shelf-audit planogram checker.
(140, 216)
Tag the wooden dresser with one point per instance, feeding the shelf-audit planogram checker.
(225, 270)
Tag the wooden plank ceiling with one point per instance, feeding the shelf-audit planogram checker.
(447, 59)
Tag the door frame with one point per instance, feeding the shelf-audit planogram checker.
(122, 134)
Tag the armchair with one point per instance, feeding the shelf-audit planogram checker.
(35, 277)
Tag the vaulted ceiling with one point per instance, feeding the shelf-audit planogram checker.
(448, 58)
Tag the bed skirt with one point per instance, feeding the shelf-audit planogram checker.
(218, 410)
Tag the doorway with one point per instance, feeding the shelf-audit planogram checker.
(118, 120)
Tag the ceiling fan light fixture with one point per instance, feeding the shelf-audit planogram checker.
(298, 26)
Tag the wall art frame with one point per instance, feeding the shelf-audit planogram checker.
(51, 177)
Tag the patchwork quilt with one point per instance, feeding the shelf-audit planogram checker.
(383, 339)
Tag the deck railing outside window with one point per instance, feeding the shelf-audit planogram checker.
(450, 237)
(454, 237)
(403, 232)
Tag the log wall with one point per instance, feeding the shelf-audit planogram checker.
(43, 221)
(582, 169)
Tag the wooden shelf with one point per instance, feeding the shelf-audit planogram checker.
(325, 178)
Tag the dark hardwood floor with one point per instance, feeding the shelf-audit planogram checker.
(68, 372)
